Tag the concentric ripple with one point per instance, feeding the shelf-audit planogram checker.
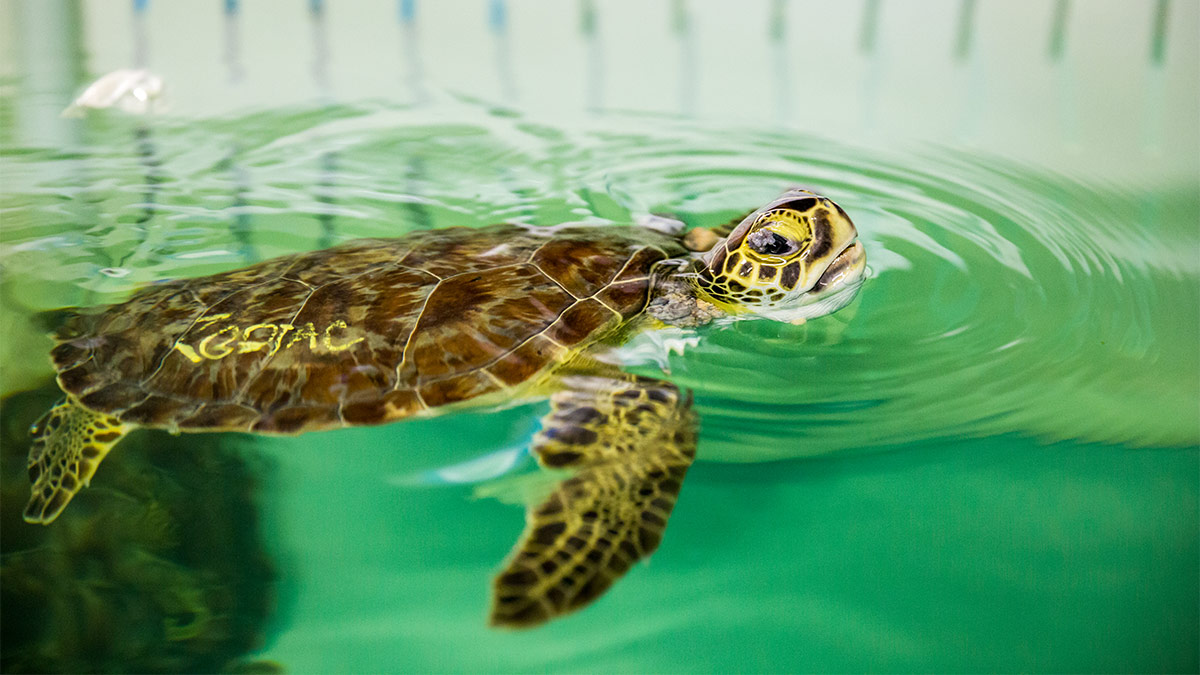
(1001, 299)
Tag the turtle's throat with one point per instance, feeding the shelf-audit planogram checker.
(677, 299)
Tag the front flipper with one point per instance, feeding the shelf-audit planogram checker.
(69, 443)
(630, 441)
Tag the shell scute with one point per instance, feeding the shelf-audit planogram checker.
(66, 355)
(392, 405)
(221, 416)
(459, 250)
(115, 396)
(457, 388)
(321, 383)
(640, 264)
(80, 379)
(278, 387)
(296, 418)
(581, 320)
(155, 409)
(525, 361)
(582, 265)
(628, 298)
(472, 319)
(208, 291)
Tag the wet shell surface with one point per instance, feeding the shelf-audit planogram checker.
(367, 332)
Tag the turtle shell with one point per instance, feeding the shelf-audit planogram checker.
(367, 332)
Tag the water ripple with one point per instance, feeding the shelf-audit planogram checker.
(1001, 298)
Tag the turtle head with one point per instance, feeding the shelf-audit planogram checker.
(795, 258)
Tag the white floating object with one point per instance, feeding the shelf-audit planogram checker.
(475, 470)
(134, 91)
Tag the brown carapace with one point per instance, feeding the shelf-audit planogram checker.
(377, 330)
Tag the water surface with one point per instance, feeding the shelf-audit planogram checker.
(987, 461)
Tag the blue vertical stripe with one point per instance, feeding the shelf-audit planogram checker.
(497, 14)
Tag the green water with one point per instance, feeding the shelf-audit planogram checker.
(989, 461)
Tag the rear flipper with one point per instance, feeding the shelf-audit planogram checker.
(69, 443)
(631, 439)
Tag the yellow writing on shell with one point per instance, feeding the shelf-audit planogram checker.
(264, 337)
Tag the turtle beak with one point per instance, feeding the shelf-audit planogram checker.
(836, 286)
(845, 270)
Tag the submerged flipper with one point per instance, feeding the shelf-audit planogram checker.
(69, 443)
(630, 441)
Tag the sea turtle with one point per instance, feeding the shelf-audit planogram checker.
(377, 330)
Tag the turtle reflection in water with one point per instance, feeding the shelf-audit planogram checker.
(164, 570)
(379, 330)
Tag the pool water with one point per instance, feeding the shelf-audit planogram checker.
(990, 460)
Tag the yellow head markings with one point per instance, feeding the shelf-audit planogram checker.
(229, 339)
(777, 254)
(762, 242)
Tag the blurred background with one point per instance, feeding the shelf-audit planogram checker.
(1103, 89)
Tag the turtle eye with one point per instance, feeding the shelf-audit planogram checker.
(771, 243)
